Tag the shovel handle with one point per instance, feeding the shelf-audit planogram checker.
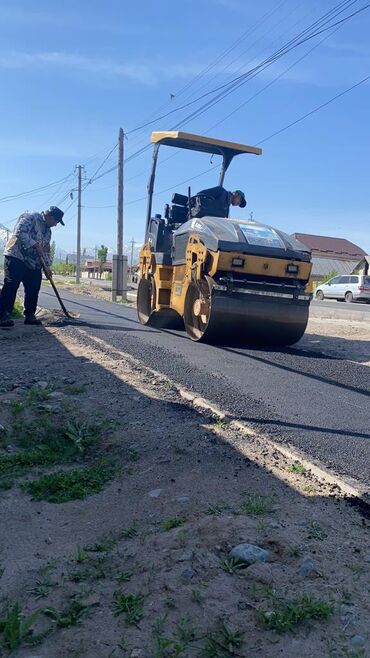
(50, 278)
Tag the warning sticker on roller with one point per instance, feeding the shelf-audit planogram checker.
(263, 236)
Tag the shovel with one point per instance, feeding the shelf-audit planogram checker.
(50, 278)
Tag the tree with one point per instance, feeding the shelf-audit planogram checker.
(329, 275)
(52, 251)
(102, 258)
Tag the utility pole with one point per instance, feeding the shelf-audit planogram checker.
(132, 256)
(78, 262)
(119, 278)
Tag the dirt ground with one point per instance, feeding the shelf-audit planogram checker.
(130, 556)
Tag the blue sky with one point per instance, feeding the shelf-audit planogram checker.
(73, 73)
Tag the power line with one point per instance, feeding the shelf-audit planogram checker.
(296, 41)
(11, 197)
(316, 109)
(293, 123)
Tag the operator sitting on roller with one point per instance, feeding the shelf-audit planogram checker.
(222, 199)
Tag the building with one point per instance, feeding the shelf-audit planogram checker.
(330, 254)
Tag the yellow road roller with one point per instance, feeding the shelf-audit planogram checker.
(224, 279)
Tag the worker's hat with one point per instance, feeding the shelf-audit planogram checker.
(57, 213)
(242, 196)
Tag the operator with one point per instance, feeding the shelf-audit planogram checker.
(29, 243)
(223, 199)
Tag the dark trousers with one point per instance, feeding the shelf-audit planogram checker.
(16, 272)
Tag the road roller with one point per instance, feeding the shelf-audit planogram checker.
(222, 279)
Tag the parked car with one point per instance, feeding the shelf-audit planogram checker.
(351, 288)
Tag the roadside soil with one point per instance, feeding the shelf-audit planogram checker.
(141, 567)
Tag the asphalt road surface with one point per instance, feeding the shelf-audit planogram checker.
(298, 395)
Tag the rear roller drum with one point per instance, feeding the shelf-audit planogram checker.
(146, 308)
(197, 311)
(145, 299)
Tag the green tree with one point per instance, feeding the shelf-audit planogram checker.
(328, 276)
(102, 258)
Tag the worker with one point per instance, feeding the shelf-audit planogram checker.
(221, 200)
(29, 243)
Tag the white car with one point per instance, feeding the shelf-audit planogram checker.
(349, 288)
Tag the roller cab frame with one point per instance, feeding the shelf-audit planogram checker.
(223, 279)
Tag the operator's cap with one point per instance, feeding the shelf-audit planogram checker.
(242, 196)
(57, 213)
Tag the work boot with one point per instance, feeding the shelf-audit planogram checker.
(6, 321)
(32, 319)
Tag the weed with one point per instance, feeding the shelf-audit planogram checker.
(125, 576)
(16, 407)
(81, 555)
(74, 389)
(129, 604)
(41, 589)
(37, 394)
(16, 628)
(170, 603)
(130, 532)
(256, 504)
(196, 596)
(103, 546)
(285, 616)
(221, 423)
(133, 455)
(176, 522)
(294, 551)
(17, 311)
(316, 532)
(184, 630)
(70, 616)
(82, 435)
(346, 597)
(232, 565)
(309, 488)
(223, 643)
(166, 648)
(296, 468)
(216, 509)
(44, 446)
(63, 486)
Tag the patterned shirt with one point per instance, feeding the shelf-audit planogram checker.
(30, 229)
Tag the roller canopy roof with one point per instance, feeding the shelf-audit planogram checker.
(200, 143)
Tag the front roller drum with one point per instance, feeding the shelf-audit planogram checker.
(222, 317)
(146, 308)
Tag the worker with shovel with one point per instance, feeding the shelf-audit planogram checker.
(26, 252)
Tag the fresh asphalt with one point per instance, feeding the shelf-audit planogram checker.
(321, 405)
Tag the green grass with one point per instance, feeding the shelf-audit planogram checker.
(16, 628)
(17, 309)
(296, 468)
(74, 389)
(70, 616)
(172, 523)
(256, 504)
(46, 445)
(233, 565)
(41, 589)
(285, 617)
(63, 486)
(131, 605)
(223, 643)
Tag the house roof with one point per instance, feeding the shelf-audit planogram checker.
(330, 247)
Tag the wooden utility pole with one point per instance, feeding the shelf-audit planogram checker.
(132, 258)
(78, 262)
(119, 278)
(120, 195)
